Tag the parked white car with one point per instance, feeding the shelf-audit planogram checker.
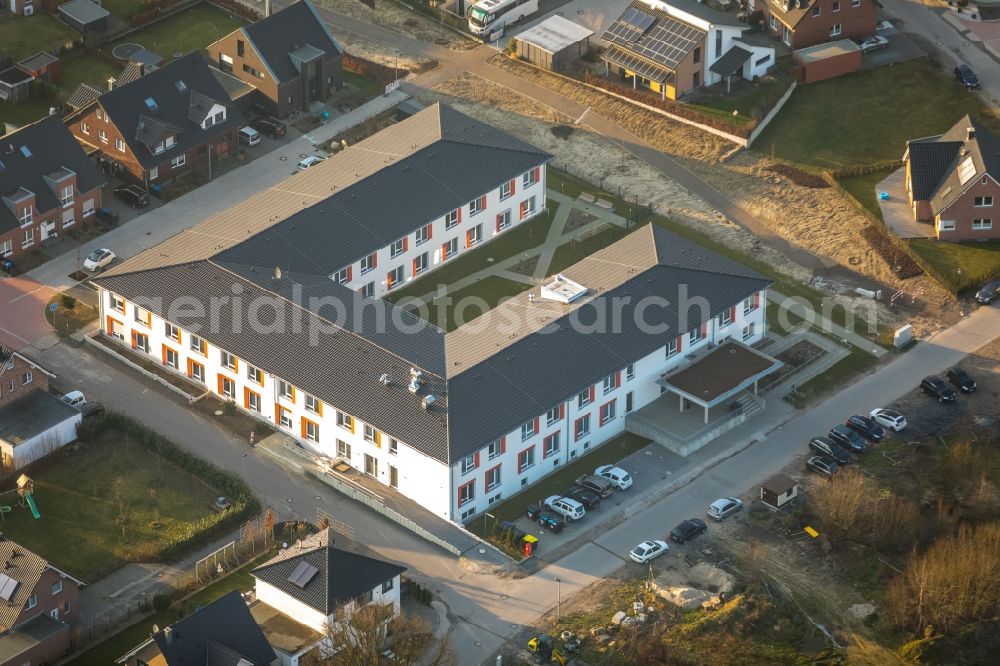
(249, 136)
(98, 259)
(616, 475)
(568, 508)
(724, 507)
(889, 418)
(310, 161)
(647, 550)
(875, 43)
(75, 399)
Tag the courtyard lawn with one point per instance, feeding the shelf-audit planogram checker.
(472, 301)
(190, 30)
(748, 98)
(959, 265)
(75, 493)
(868, 116)
(22, 36)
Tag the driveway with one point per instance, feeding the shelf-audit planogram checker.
(901, 48)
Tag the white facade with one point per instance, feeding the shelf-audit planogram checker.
(314, 619)
(40, 445)
(438, 241)
(630, 389)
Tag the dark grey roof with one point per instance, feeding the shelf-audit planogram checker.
(126, 106)
(83, 11)
(288, 31)
(83, 96)
(470, 158)
(731, 61)
(31, 415)
(221, 629)
(199, 107)
(130, 72)
(37, 61)
(13, 76)
(929, 161)
(345, 569)
(51, 146)
(653, 35)
(149, 131)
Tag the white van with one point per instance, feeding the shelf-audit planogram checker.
(249, 136)
(74, 399)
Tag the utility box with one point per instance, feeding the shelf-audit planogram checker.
(778, 491)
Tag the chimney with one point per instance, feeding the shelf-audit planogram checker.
(267, 8)
(111, 82)
(168, 635)
(970, 133)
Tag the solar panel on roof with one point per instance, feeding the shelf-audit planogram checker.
(637, 19)
(7, 587)
(302, 574)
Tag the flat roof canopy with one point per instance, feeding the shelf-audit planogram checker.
(32, 415)
(554, 34)
(718, 376)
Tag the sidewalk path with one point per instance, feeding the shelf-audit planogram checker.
(806, 311)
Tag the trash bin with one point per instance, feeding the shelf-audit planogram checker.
(529, 543)
(8, 266)
(532, 511)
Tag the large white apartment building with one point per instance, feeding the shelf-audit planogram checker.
(453, 420)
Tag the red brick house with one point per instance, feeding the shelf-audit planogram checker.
(161, 125)
(953, 181)
(21, 376)
(38, 607)
(802, 23)
(47, 185)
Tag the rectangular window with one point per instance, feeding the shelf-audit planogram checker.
(141, 341)
(816, 10)
(697, 55)
(142, 316)
(946, 225)
(341, 276)
(468, 463)
(581, 428)
(983, 202)
(695, 335)
(253, 402)
(527, 207)
(170, 141)
(285, 390)
(171, 332)
(855, 3)
(525, 459)
(27, 215)
(255, 374)
(196, 371)
(507, 190)
(227, 360)
(117, 302)
(492, 478)
(449, 249)
(387, 586)
(529, 429)
(102, 135)
(420, 263)
(227, 387)
(368, 291)
(396, 249)
(310, 430)
(85, 128)
(240, 48)
(726, 317)
(424, 234)
(467, 493)
(630, 372)
(583, 399)
(119, 145)
(748, 331)
(32, 602)
(503, 220)
(531, 177)
(749, 304)
(343, 449)
(6, 248)
(474, 235)
(345, 421)
(982, 224)
(835, 30)
(371, 435)
(452, 218)
(28, 239)
(313, 405)
(171, 358)
(550, 445)
(395, 277)
(284, 416)
(26, 378)
(611, 383)
(836, 6)
(178, 162)
(369, 263)
(477, 206)
(393, 446)
(608, 412)
(553, 415)
(494, 449)
(66, 195)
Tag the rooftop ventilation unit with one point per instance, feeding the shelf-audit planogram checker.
(563, 290)
(415, 381)
(427, 402)
(384, 379)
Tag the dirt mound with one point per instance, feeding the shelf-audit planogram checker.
(798, 176)
(902, 263)
(685, 598)
(707, 576)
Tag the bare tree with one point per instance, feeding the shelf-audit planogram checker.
(842, 500)
(268, 526)
(361, 638)
(121, 499)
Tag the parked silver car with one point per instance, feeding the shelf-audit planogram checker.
(570, 509)
(724, 507)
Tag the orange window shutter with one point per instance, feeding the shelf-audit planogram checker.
(732, 313)
(349, 272)
(430, 231)
(378, 439)
(756, 299)
(538, 174)
(319, 408)
(163, 351)
(593, 392)
(459, 214)
(149, 319)
(704, 329)
(444, 251)
(110, 325)
(406, 243)
(503, 444)
(482, 202)
(536, 424)
(178, 335)
(293, 394)
(221, 380)
(618, 379)
(562, 410)
(476, 461)
(416, 264)
(513, 185)
(133, 340)
(375, 259)
(352, 423)
(304, 427)
(498, 223)
(680, 341)
(236, 364)
(246, 397)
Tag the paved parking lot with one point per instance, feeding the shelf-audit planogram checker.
(901, 48)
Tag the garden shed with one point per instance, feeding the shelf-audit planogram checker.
(779, 490)
(828, 60)
(84, 16)
(554, 43)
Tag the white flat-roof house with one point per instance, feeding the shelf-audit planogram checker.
(272, 314)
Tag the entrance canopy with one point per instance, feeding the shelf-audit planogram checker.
(731, 62)
(721, 374)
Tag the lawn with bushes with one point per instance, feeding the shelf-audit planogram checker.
(123, 493)
(188, 30)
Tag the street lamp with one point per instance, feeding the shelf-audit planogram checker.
(558, 599)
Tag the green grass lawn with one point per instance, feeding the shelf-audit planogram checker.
(472, 302)
(746, 98)
(978, 262)
(862, 188)
(559, 481)
(369, 88)
(125, 9)
(186, 31)
(76, 497)
(85, 68)
(25, 113)
(22, 36)
(867, 116)
(845, 369)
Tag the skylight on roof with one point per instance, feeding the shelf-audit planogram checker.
(966, 170)
(180, 85)
(7, 587)
(151, 104)
(25, 151)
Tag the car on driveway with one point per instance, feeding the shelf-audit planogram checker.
(618, 477)
(967, 77)
(310, 161)
(550, 521)
(724, 507)
(249, 136)
(647, 550)
(827, 447)
(875, 43)
(867, 427)
(936, 388)
(566, 507)
(98, 259)
(989, 292)
(268, 125)
(848, 439)
(888, 418)
(597, 484)
(688, 530)
(588, 498)
(75, 399)
(962, 380)
(824, 465)
(133, 195)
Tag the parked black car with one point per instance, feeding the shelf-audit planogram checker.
(688, 530)
(989, 292)
(936, 388)
(588, 498)
(847, 438)
(866, 427)
(597, 484)
(968, 78)
(962, 379)
(552, 522)
(268, 125)
(827, 447)
(107, 215)
(133, 195)
(822, 465)
(532, 511)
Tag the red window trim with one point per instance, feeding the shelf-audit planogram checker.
(546, 455)
(486, 476)
(462, 502)
(520, 466)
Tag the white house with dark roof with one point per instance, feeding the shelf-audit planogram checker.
(454, 421)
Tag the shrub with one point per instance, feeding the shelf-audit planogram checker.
(67, 301)
(372, 70)
(161, 602)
